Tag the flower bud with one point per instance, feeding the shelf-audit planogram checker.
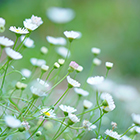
(61, 61)
(44, 50)
(56, 65)
(38, 133)
(44, 68)
(109, 65)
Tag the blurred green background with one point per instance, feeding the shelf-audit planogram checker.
(111, 25)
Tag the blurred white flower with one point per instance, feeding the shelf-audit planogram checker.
(2, 21)
(73, 65)
(112, 134)
(56, 65)
(67, 109)
(13, 54)
(60, 15)
(72, 35)
(26, 73)
(109, 65)
(37, 62)
(97, 61)
(62, 51)
(81, 91)
(73, 118)
(95, 51)
(25, 125)
(44, 50)
(33, 23)
(29, 43)
(87, 125)
(61, 61)
(56, 40)
(12, 122)
(79, 69)
(44, 68)
(126, 93)
(108, 103)
(95, 80)
(125, 138)
(136, 118)
(5, 42)
(18, 30)
(87, 104)
(72, 82)
(48, 112)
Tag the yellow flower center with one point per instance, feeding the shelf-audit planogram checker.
(17, 30)
(47, 113)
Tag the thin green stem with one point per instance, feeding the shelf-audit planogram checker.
(77, 102)
(19, 96)
(1, 52)
(98, 119)
(61, 97)
(106, 73)
(127, 130)
(12, 92)
(49, 73)
(82, 116)
(4, 75)
(15, 42)
(59, 128)
(61, 132)
(41, 75)
(4, 131)
(68, 51)
(5, 64)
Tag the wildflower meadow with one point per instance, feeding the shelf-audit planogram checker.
(51, 99)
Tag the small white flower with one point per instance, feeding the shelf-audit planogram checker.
(108, 100)
(79, 69)
(113, 134)
(44, 50)
(26, 73)
(72, 34)
(56, 40)
(48, 112)
(67, 109)
(125, 138)
(33, 23)
(87, 104)
(44, 68)
(18, 30)
(60, 15)
(12, 122)
(6, 42)
(114, 125)
(37, 62)
(29, 43)
(2, 21)
(26, 125)
(62, 51)
(95, 51)
(87, 125)
(95, 80)
(61, 61)
(56, 65)
(73, 118)
(72, 82)
(135, 129)
(136, 118)
(13, 54)
(97, 61)
(73, 65)
(81, 91)
(20, 85)
(109, 65)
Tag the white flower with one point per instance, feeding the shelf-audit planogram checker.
(95, 51)
(37, 62)
(79, 69)
(95, 80)
(88, 125)
(135, 129)
(112, 134)
(72, 82)
(29, 43)
(60, 15)
(136, 118)
(44, 68)
(97, 61)
(26, 73)
(56, 65)
(18, 30)
(2, 21)
(33, 23)
(67, 109)
(73, 65)
(12, 122)
(6, 42)
(62, 51)
(73, 118)
(87, 104)
(81, 91)
(125, 138)
(72, 34)
(44, 50)
(25, 125)
(108, 103)
(39, 88)
(61, 61)
(48, 112)
(13, 54)
(126, 92)
(109, 65)
(56, 40)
